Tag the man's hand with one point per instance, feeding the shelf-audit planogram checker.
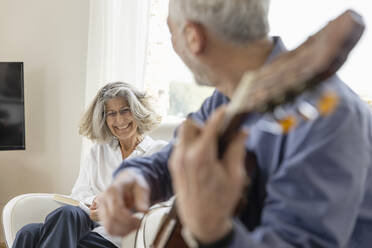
(208, 189)
(128, 193)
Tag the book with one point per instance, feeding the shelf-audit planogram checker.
(68, 200)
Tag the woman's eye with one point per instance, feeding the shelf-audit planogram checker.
(111, 114)
(124, 111)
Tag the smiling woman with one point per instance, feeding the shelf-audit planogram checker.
(94, 122)
(117, 121)
(122, 125)
(119, 115)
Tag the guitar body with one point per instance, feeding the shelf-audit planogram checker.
(151, 223)
(176, 239)
(169, 232)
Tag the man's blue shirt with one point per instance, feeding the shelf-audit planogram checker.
(313, 186)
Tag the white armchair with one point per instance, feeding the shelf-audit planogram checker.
(25, 209)
(33, 208)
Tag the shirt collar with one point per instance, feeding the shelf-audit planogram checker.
(145, 144)
(279, 48)
(141, 148)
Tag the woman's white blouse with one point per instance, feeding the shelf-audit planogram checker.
(96, 173)
(100, 163)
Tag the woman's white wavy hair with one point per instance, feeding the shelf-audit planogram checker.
(237, 21)
(93, 123)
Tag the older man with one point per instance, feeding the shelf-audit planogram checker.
(312, 186)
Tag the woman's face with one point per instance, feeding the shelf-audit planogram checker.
(119, 119)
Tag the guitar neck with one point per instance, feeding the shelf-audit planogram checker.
(229, 132)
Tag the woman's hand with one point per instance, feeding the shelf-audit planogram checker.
(94, 208)
(208, 189)
(128, 192)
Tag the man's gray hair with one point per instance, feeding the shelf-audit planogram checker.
(93, 123)
(238, 21)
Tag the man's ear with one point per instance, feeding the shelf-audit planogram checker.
(195, 37)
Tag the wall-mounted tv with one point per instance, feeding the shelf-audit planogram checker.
(12, 113)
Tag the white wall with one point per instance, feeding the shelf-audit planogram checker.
(50, 37)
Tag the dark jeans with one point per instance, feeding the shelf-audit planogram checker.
(67, 226)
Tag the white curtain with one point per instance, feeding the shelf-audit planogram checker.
(117, 43)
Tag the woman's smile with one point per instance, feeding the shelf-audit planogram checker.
(123, 128)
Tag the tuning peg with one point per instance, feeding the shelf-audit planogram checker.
(327, 103)
(307, 111)
(287, 123)
(279, 126)
(285, 120)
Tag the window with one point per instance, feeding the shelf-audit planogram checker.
(167, 76)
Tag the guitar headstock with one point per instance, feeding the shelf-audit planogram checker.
(299, 70)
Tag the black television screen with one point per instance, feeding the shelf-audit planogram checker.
(12, 117)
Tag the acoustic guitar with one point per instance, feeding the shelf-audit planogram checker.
(274, 84)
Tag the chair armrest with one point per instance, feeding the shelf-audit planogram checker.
(26, 209)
